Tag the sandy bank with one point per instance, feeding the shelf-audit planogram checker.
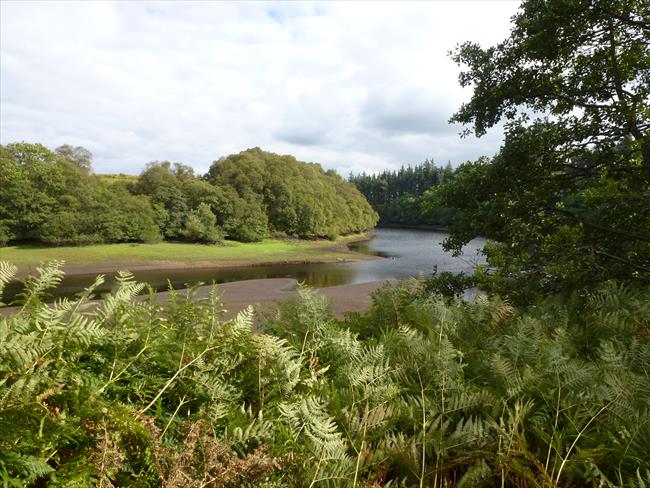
(264, 294)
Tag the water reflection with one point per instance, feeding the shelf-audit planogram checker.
(406, 253)
(412, 252)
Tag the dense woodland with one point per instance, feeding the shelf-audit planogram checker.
(543, 382)
(53, 197)
(407, 196)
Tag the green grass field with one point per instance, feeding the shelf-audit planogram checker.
(135, 254)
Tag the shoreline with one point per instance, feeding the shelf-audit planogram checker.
(438, 228)
(265, 294)
(151, 265)
(178, 265)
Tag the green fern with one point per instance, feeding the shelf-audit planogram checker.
(34, 290)
(418, 392)
(7, 272)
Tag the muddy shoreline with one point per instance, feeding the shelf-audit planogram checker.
(265, 294)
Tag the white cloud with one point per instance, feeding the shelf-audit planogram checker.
(354, 86)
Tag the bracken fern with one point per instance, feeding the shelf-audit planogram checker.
(420, 391)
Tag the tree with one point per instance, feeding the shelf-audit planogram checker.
(31, 179)
(201, 226)
(165, 191)
(566, 200)
(52, 199)
(80, 156)
(404, 197)
(281, 194)
(585, 63)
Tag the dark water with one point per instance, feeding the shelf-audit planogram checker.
(405, 253)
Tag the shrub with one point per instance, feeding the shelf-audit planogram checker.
(201, 226)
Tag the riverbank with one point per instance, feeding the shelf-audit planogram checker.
(437, 228)
(110, 258)
(265, 294)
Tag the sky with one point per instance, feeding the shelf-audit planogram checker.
(356, 87)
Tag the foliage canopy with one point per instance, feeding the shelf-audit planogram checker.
(407, 196)
(54, 198)
(297, 198)
(566, 199)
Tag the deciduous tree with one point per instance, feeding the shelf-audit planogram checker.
(567, 199)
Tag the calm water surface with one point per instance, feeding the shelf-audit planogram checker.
(405, 253)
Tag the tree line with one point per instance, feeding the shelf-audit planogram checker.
(407, 196)
(54, 198)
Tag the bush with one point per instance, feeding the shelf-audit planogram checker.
(200, 226)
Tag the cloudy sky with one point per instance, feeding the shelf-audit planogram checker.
(354, 86)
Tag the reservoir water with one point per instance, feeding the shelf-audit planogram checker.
(404, 253)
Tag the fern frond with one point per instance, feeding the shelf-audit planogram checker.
(127, 290)
(307, 417)
(476, 475)
(86, 295)
(7, 272)
(279, 362)
(505, 371)
(47, 277)
(243, 323)
(27, 468)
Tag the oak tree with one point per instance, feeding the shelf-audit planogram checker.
(567, 198)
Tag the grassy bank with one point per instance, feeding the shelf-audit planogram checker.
(136, 255)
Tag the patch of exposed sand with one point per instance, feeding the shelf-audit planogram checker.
(265, 294)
